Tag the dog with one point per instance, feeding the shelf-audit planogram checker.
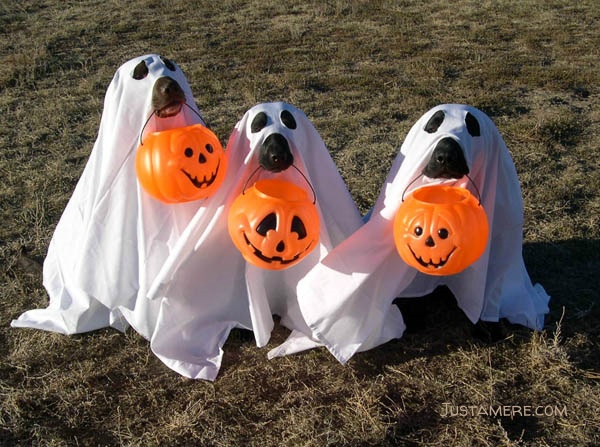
(448, 160)
(206, 288)
(112, 236)
(274, 153)
(347, 300)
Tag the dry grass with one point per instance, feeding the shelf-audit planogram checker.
(363, 72)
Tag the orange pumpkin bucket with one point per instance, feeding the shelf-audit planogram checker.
(441, 230)
(274, 224)
(181, 165)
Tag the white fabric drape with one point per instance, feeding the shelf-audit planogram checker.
(206, 287)
(347, 298)
(113, 237)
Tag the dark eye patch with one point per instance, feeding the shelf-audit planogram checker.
(472, 125)
(140, 71)
(170, 65)
(288, 119)
(259, 122)
(435, 122)
(298, 227)
(268, 223)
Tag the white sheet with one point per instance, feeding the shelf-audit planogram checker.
(347, 298)
(206, 288)
(112, 237)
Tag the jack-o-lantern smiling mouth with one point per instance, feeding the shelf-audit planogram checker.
(431, 263)
(279, 259)
(205, 182)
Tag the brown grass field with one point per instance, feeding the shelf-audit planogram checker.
(363, 72)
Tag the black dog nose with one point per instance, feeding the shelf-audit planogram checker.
(275, 154)
(447, 160)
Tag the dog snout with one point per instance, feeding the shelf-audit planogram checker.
(167, 97)
(447, 160)
(275, 154)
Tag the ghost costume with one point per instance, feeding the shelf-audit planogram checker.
(347, 298)
(112, 236)
(206, 288)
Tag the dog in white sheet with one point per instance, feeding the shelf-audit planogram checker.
(206, 288)
(112, 236)
(347, 298)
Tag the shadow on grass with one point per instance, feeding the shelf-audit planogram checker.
(435, 327)
(568, 270)
(570, 273)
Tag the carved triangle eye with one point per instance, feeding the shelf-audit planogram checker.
(268, 223)
(298, 227)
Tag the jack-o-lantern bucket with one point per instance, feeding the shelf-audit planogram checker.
(440, 230)
(180, 165)
(274, 224)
